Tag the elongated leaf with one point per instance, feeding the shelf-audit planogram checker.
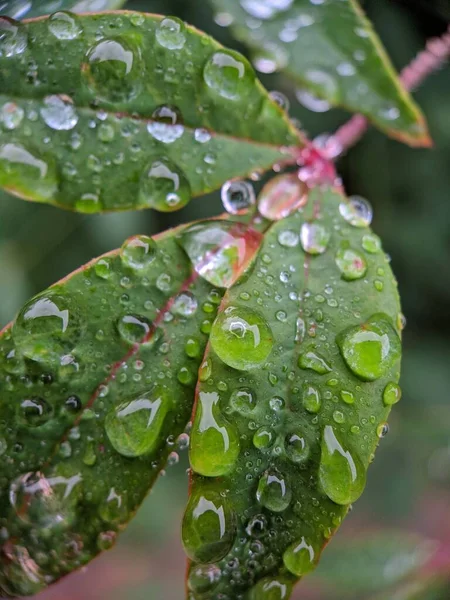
(20, 9)
(97, 379)
(124, 110)
(299, 376)
(330, 49)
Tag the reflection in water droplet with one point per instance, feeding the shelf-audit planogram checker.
(64, 26)
(134, 427)
(273, 492)
(311, 398)
(341, 474)
(282, 196)
(164, 187)
(314, 361)
(35, 411)
(299, 558)
(214, 445)
(171, 33)
(138, 252)
(134, 329)
(297, 449)
(11, 115)
(59, 113)
(243, 400)
(185, 304)
(88, 204)
(204, 578)
(370, 349)
(314, 238)
(351, 264)
(272, 588)
(13, 37)
(357, 211)
(262, 438)
(391, 394)
(241, 338)
(237, 196)
(229, 74)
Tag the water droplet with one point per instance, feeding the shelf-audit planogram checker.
(11, 115)
(138, 252)
(283, 195)
(300, 558)
(166, 113)
(276, 403)
(341, 474)
(185, 304)
(209, 526)
(219, 250)
(228, 74)
(382, 430)
(64, 26)
(204, 578)
(205, 370)
(280, 99)
(164, 132)
(297, 449)
(192, 348)
(88, 204)
(202, 136)
(347, 397)
(241, 338)
(311, 101)
(106, 133)
(164, 187)
(357, 211)
(237, 196)
(171, 33)
(371, 243)
(351, 264)
(28, 172)
(134, 329)
(270, 57)
(391, 394)
(273, 492)
(35, 411)
(114, 508)
(243, 400)
(114, 70)
(314, 238)
(271, 588)
(59, 113)
(370, 349)
(214, 444)
(314, 361)
(134, 427)
(262, 438)
(338, 417)
(106, 540)
(13, 37)
(311, 398)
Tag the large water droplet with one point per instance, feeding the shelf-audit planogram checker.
(171, 33)
(237, 196)
(314, 238)
(282, 196)
(351, 264)
(370, 349)
(300, 558)
(134, 427)
(241, 338)
(28, 172)
(138, 252)
(164, 187)
(272, 588)
(64, 26)
(219, 250)
(229, 74)
(204, 578)
(114, 70)
(209, 526)
(341, 474)
(273, 491)
(357, 211)
(13, 37)
(214, 445)
(59, 113)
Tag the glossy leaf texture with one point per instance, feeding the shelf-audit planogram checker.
(299, 376)
(329, 48)
(126, 110)
(21, 9)
(97, 380)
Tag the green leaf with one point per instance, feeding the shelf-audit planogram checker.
(330, 50)
(124, 110)
(19, 9)
(297, 382)
(97, 380)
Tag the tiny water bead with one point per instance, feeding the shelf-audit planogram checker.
(114, 69)
(209, 526)
(341, 473)
(13, 37)
(237, 196)
(314, 238)
(171, 33)
(214, 446)
(64, 26)
(392, 394)
(27, 171)
(134, 329)
(229, 74)
(370, 349)
(273, 492)
(272, 588)
(351, 264)
(139, 252)
(283, 195)
(204, 578)
(241, 338)
(357, 211)
(300, 558)
(59, 113)
(134, 427)
(164, 187)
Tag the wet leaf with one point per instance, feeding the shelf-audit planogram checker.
(332, 53)
(97, 380)
(291, 407)
(124, 110)
(21, 9)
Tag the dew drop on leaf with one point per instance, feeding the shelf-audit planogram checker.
(297, 449)
(391, 394)
(34, 411)
(64, 25)
(138, 252)
(11, 115)
(282, 196)
(314, 361)
(311, 398)
(351, 264)
(228, 74)
(243, 400)
(273, 491)
(164, 187)
(314, 238)
(371, 243)
(300, 558)
(262, 438)
(237, 196)
(185, 304)
(59, 113)
(134, 329)
(271, 588)
(13, 37)
(357, 211)
(171, 33)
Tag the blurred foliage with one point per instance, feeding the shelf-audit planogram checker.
(409, 483)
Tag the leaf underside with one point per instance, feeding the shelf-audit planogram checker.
(330, 49)
(123, 110)
(17, 9)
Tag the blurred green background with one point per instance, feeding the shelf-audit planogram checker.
(398, 535)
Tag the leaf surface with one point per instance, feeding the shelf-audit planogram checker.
(299, 376)
(124, 110)
(20, 9)
(97, 380)
(330, 50)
